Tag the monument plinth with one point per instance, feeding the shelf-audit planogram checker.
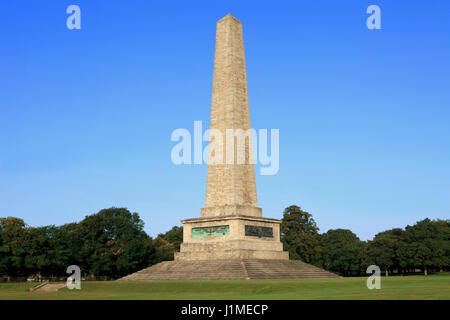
(231, 224)
(230, 240)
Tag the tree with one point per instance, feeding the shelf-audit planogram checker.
(299, 235)
(26, 250)
(342, 252)
(167, 243)
(426, 244)
(382, 250)
(113, 243)
(49, 252)
(441, 254)
(3, 254)
(70, 240)
(174, 236)
(15, 242)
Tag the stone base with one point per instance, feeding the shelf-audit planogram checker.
(241, 237)
(231, 254)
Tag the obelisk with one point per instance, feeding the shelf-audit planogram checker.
(231, 224)
(231, 240)
(230, 187)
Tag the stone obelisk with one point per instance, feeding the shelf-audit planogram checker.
(230, 187)
(231, 240)
(231, 224)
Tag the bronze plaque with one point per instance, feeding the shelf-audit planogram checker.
(257, 231)
(210, 231)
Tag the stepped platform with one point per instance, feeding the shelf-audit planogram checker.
(230, 269)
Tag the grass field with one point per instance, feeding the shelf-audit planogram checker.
(410, 287)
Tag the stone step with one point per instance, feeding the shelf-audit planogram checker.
(48, 287)
(232, 269)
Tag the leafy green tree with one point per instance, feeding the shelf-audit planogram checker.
(113, 243)
(402, 254)
(167, 243)
(342, 252)
(164, 250)
(441, 252)
(15, 242)
(48, 252)
(174, 236)
(3, 254)
(299, 235)
(69, 238)
(382, 250)
(426, 244)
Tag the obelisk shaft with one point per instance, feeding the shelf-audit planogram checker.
(230, 184)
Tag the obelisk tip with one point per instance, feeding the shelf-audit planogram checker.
(229, 16)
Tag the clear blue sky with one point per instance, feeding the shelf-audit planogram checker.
(364, 115)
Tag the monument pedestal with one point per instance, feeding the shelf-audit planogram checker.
(231, 237)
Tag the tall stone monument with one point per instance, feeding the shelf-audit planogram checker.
(230, 239)
(231, 224)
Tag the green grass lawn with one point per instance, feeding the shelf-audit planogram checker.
(408, 287)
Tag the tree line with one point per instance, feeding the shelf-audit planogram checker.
(424, 246)
(112, 243)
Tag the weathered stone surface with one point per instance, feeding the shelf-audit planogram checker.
(48, 287)
(229, 269)
(230, 184)
(235, 244)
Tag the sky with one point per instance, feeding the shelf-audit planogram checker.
(86, 115)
